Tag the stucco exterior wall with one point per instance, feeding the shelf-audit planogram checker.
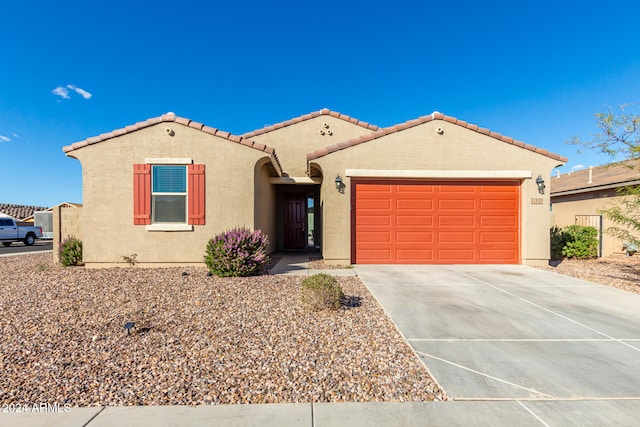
(265, 204)
(67, 222)
(565, 209)
(292, 143)
(422, 148)
(107, 175)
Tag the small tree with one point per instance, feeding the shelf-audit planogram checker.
(619, 136)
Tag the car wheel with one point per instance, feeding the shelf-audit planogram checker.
(29, 240)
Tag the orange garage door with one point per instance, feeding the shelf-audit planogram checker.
(443, 222)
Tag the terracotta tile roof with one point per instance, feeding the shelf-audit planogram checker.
(424, 119)
(323, 112)
(171, 117)
(20, 212)
(609, 176)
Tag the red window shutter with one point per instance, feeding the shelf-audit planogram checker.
(196, 195)
(141, 194)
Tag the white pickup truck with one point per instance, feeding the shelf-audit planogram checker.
(11, 231)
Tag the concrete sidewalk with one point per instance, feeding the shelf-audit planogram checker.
(297, 264)
(454, 413)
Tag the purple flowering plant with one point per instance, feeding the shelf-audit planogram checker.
(238, 252)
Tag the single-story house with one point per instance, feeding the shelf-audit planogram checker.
(577, 198)
(431, 190)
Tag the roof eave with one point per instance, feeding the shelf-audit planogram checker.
(425, 119)
(595, 188)
(171, 117)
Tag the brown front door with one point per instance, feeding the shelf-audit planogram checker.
(295, 221)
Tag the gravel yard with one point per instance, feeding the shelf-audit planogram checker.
(197, 340)
(619, 272)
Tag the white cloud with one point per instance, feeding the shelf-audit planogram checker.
(4, 138)
(61, 92)
(15, 135)
(80, 91)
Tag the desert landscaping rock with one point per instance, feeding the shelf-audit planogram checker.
(196, 340)
(622, 272)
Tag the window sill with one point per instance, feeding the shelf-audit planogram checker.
(169, 227)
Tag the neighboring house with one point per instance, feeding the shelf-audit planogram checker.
(577, 197)
(431, 190)
(43, 217)
(19, 212)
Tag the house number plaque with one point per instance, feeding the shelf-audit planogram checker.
(536, 201)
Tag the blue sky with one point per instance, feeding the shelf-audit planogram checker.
(535, 71)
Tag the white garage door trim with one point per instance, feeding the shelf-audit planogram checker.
(438, 174)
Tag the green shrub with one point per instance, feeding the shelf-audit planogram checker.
(132, 260)
(581, 242)
(558, 241)
(70, 251)
(321, 291)
(237, 253)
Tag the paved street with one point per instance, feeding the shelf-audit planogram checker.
(19, 247)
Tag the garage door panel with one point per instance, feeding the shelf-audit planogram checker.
(498, 220)
(414, 237)
(375, 255)
(498, 237)
(456, 256)
(413, 188)
(498, 188)
(374, 220)
(456, 205)
(454, 222)
(418, 204)
(455, 188)
(504, 205)
(457, 221)
(376, 237)
(375, 204)
(375, 188)
(414, 256)
(410, 220)
(497, 255)
(456, 237)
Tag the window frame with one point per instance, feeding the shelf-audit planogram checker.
(184, 194)
(169, 226)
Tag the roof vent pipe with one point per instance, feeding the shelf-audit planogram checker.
(557, 173)
(590, 175)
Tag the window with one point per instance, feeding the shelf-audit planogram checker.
(168, 194)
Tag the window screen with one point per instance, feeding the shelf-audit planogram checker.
(169, 194)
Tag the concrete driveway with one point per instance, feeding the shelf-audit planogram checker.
(515, 332)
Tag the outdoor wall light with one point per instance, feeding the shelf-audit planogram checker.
(339, 184)
(128, 327)
(540, 183)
